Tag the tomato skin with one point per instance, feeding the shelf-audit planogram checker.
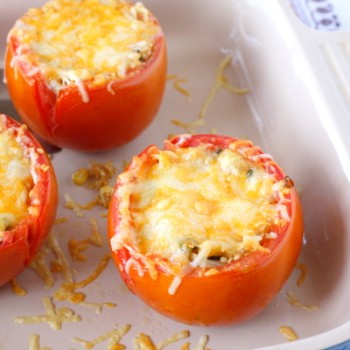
(25, 239)
(106, 121)
(237, 292)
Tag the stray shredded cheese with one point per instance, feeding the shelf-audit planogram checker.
(202, 344)
(67, 290)
(60, 264)
(114, 337)
(98, 307)
(54, 317)
(39, 265)
(76, 247)
(173, 339)
(16, 178)
(185, 346)
(289, 333)
(143, 342)
(59, 221)
(295, 302)
(221, 82)
(303, 272)
(177, 81)
(17, 288)
(96, 176)
(34, 343)
(70, 203)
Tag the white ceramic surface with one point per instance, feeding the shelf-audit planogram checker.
(298, 110)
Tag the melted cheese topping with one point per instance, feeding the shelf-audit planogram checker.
(15, 182)
(197, 207)
(71, 41)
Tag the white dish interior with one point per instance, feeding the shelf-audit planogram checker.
(297, 110)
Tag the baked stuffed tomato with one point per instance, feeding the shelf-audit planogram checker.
(205, 231)
(87, 75)
(28, 202)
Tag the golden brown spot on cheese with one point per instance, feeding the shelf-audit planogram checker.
(92, 40)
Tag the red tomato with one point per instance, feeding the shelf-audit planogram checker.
(238, 290)
(20, 243)
(114, 112)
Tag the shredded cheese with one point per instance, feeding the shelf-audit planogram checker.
(76, 247)
(303, 272)
(114, 337)
(77, 208)
(55, 317)
(292, 299)
(96, 176)
(60, 263)
(34, 343)
(220, 82)
(98, 307)
(16, 180)
(202, 344)
(17, 288)
(143, 342)
(39, 265)
(289, 333)
(67, 290)
(84, 42)
(197, 207)
(177, 84)
(173, 339)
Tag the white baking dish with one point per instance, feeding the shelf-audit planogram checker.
(298, 110)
